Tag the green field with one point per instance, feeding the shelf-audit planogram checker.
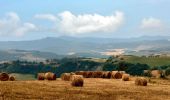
(151, 61)
(23, 76)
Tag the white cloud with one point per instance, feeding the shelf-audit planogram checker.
(12, 25)
(88, 23)
(153, 25)
(49, 17)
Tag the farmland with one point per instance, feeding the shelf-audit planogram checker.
(151, 61)
(94, 89)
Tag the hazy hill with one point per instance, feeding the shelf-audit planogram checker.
(96, 46)
(26, 55)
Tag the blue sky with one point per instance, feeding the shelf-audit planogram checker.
(34, 19)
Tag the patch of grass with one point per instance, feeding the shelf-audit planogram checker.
(24, 76)
(151, 61)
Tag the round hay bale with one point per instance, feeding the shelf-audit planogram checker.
(106, 74)
(85, 74)
(89, 74)
(125, 77)
(116, 75)
(11, 78)
(79, 72)
(156, 73)
(41, 76)
(66, 76)
(4, 77)
(50, 76)
(77, 80)
(141, 81)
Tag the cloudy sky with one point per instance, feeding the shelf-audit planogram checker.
(34, 19)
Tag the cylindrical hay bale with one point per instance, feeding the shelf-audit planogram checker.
(4, 77)
(106, 74)
(50, 76)
(11, 78)
(66, 76)
(41, 76)
(85, 74)
(116, 75)
(141, 81)
(77, 80)
(156, 73)
(89, 74)
(125, 77)
(79, 72)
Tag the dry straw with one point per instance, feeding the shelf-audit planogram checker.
(116, 75)
(141, 81)
(125, 77)
(11, 78)
(77, 80)
(50, 76)
(4, 77)
(41, 76)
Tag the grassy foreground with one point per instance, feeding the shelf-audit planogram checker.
(94, 89)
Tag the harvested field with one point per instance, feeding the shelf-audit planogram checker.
(93, 89)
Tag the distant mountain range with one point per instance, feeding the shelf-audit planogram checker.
(89, 47)
(26, 55)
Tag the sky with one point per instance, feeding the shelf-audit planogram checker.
(35, 19)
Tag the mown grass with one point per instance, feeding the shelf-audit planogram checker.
(94, 89)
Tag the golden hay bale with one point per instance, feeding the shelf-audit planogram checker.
(116, 75)
(156, 73)
(97, 74)
(4, 77)
(41, 76)
(106, 74)
(11, 78)
(77, 80)
(141, 81)
(79, 72)
(125, 77)
(66, 76)
(50, 76)
(89, 74)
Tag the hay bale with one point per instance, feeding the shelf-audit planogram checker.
(50, 76)
(106, 74)
(89, 74)
(156, 73)
(66, 76)
(141, 81)
(97, 74)
(41, 76)
(77, 80)
(4, 77)
(11, 78)
(125, 77)
(79, 72)
(116, 75)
